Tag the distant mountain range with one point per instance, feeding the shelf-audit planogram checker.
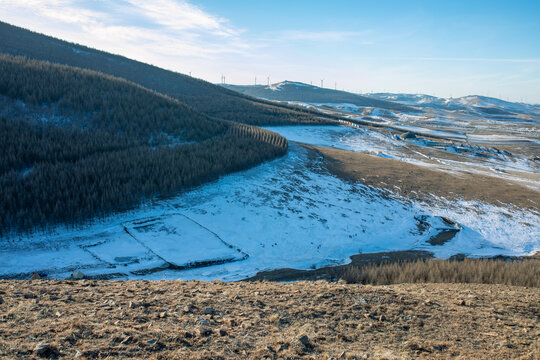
(484, 104)
(300, 92)
(297, 91)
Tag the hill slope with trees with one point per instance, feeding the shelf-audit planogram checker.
(77, 144)
(203, 96)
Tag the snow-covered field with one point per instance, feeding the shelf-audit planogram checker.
(286, 213)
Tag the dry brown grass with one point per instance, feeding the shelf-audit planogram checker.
(419, 182)
(214, 320)
(468, 271)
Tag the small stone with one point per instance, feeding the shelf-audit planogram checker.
(382, 318)
(186, 334)
(58, 313)
(361, 301)
(163, 315)
(29, 296)
(46, 351)
(462, 303)
(408, 135)
(230, 322)
(222, 332)
(186, 309)
(78, 275)
(208, 311)
(133, 305)
(203, 332)
(203, 321)
(35, 276)
(155, 345)
(304, 340)
(283, 347)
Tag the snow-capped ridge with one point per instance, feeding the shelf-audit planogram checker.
(284, 84)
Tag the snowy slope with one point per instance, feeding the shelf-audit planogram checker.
(473, 103)
(286, 213)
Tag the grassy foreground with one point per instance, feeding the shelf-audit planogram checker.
(252, 320)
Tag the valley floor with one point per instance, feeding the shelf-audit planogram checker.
(309, 320)
(312, 208)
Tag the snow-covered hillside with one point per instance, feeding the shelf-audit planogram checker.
(290, 212)
(471, 102)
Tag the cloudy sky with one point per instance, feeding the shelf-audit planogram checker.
(443, 48)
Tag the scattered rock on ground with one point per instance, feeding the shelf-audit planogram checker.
(204, 332)
(408, 135)
(43, 350)
(78, 275)
(499, 322)
(35, 276)
(304, 339)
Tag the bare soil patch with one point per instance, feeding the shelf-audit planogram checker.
(419, 182)
(306, 320)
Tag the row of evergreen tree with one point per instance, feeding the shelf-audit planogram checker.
(106, 158)
(103, 102)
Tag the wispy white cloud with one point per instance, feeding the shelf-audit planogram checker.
(180, 15)
(304, 35)
(473, 59)
(172, 27)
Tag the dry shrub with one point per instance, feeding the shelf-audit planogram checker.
(478, 271)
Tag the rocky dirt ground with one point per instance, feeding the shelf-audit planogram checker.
(307, 320)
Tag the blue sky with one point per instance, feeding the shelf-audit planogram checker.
(443, 48)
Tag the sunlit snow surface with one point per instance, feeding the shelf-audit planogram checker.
(286, 213)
